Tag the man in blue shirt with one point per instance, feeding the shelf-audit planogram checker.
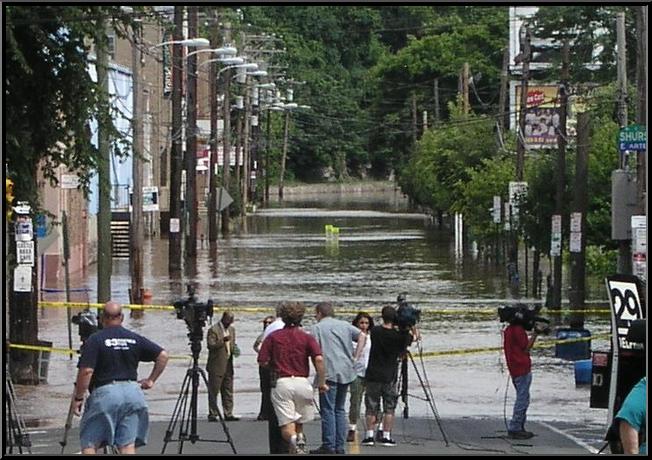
(116, 412)
(335, 337)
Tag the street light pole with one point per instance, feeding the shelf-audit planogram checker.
(226, 174)
(212, 170)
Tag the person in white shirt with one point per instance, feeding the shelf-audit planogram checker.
(364, 322)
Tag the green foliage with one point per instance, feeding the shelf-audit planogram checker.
(601, 262)
(50, 93)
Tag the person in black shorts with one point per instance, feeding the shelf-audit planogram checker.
(116, 412)
(387, 345)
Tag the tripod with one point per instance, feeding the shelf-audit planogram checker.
(425, 386)
(186, 414)
(15, 430)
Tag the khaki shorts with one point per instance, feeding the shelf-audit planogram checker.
(292, 398)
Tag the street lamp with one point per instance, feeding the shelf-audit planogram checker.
(223, 51)
(190, 42)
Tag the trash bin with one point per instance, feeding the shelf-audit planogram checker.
(574, 350)
(43, 361)
(583, 368)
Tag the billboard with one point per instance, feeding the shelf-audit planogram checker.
(542, 116)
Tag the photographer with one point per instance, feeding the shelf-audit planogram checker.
(517, 347)
(387, 344)
(116, 412)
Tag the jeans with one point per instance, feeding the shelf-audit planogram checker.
(522, 386)
(334, 425)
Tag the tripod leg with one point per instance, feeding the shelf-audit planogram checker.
(219, 414)
(179, 409)
(68, 425)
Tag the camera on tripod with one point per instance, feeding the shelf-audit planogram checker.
(193, 312)
(407, 316)
(87, 323)
(525, 316)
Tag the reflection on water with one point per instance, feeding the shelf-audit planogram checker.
(383, 249)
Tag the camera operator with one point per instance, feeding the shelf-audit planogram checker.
(387, 345)
(116, 411)
(517, 347)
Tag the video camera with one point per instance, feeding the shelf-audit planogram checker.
(87, 322)
(407, 316)
(193, 312)
(525, 316)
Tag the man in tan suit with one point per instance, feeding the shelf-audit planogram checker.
(221, 345)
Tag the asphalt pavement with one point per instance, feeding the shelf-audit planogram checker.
(414, 436)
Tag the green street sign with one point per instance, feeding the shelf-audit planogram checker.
(632, 137)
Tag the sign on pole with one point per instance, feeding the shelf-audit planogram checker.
(632, 137)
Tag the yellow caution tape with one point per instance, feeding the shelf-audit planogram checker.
(261, 309)
(68, 351)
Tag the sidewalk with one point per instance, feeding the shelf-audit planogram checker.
(415, 436)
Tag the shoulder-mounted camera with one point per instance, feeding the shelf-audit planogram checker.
(525, 316)
(193, 312)
(87, 323)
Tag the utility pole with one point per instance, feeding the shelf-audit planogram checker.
(414, 121)
(268, 148)
(503, 117)
(104, 255)
(174, 235)
(465, 88)
(561, 172)
(286, 130)
(624, 250)
(212, 170)
(524, 58)
(436, 89)
(641, 96)
(191, 142)
(246, 156)
(238, 147)
(137, 236)
(226, 174)
(577, 292)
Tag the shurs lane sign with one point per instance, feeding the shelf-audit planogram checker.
(632, 137)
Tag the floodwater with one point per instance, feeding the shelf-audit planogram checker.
(383, 249)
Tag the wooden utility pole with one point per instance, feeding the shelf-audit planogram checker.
(624, 249)
(212, 170)
(524, 58)
(246, 156)
(560, 172)
(191, 142)
(465, 89)
(436, 89)
(414, 121)
(226, 172)
(104, 255)
(286, 130)
(577, 291)
(503, 117)
(238, 148)
(137, 235)
(268, 148)
(641, 96)
(174, 234)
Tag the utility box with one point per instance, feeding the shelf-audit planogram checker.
(623, 204)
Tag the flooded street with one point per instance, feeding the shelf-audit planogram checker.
(383, 249)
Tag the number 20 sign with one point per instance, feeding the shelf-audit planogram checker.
(625, 306)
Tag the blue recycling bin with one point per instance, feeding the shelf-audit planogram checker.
(583, 368)
(575, 350)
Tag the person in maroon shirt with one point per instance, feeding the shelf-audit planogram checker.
(288, 352)
(517, 347)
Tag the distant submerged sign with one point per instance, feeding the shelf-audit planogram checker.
(632, 137)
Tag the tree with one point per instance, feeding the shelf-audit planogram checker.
(50, 98)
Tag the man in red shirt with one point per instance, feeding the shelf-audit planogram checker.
(287, 352)
(517, 347)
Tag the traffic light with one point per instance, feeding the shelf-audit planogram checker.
(9, 197)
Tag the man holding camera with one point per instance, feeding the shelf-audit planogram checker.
(221, 346)
(116, 410)
(517, 347)
(387, 345)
